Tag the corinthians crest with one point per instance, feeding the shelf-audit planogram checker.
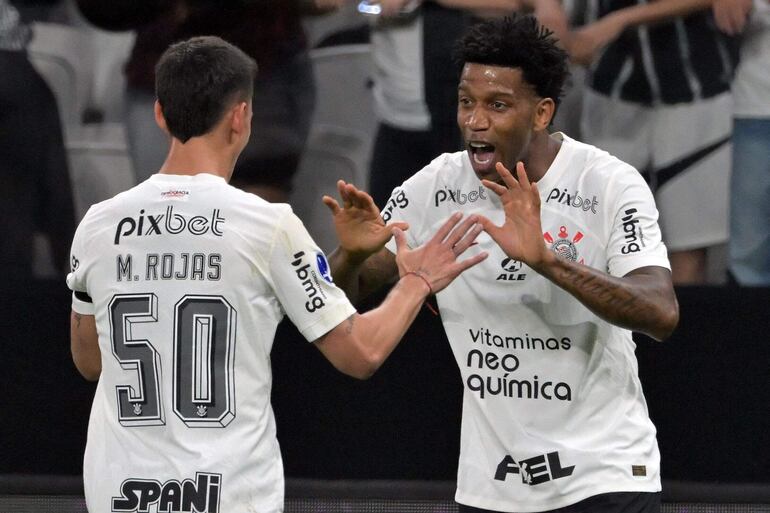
(563, 245)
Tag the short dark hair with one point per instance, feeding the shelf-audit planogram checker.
(197, 80)
(518, 42)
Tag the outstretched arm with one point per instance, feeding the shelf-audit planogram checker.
(731, 15)
(585, 43)
(643, 300)
(359, 345)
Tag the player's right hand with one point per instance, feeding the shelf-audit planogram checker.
(360, 229)
(437, 261)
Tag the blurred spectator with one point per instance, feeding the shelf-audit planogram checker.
(35, 191)
(415, 90)
(269, 31)
(749, 245)
(658, 97)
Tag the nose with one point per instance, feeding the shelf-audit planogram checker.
(476, 119)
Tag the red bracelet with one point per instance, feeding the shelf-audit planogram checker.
(423, 278)
(430, 289)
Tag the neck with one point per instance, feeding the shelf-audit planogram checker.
(198, 155)
(543, 149)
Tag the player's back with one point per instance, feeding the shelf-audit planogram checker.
(178, 273)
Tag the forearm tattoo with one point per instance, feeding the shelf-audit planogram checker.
(350, 323)
(604, 295)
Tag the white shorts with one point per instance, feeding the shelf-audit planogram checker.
(686, 151)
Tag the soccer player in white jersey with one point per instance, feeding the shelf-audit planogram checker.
(554, 418)
(178, 286)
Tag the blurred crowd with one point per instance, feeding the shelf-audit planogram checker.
(677, 88)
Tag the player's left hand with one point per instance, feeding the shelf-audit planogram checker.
(520, 236)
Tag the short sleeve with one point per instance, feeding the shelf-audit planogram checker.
(77, 277)
(401, 207)
(635, 238)
(303, 283)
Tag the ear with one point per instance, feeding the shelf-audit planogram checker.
(159, 119)
(239, 120)
(544, 111)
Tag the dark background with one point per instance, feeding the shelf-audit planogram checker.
(706, 387)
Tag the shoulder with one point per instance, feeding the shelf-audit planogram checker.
(446, 168)
(601, 166)
(255, 219)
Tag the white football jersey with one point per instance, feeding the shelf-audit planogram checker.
(188, 278)
(553, 410)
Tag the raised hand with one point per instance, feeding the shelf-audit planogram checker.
(520, 236)
(731, 15)
(437, 260)
(360, 229)
(585, 43)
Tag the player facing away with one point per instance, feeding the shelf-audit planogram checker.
(554, 418)
(178, 286)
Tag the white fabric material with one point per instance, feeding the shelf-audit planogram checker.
(552, 401)
(14, 35)
(656, 137)
(751, 86)
(399, 84)
(212, 271)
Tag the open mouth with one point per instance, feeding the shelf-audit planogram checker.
(481, 153)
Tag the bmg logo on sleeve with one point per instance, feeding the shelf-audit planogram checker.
(308, 277)
(632, 232)
(397, 199)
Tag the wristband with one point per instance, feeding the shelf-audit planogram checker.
(423, 278)
(430, 289)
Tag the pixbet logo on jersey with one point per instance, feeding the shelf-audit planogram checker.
(459, 197)
(535, 470)
(573, 200)
(199, 496)
(309, 279)
(170, 223)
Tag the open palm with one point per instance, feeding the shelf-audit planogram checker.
(520, 236)
(360, 229)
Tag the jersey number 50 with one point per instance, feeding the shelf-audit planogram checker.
(204, 343)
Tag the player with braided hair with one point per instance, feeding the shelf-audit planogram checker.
(554, 418)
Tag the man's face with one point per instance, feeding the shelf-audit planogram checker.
(495, 112)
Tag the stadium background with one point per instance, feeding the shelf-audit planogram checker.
(391, 443)
(706, 387)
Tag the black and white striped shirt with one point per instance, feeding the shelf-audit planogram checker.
(14, 35)
(684, 59)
